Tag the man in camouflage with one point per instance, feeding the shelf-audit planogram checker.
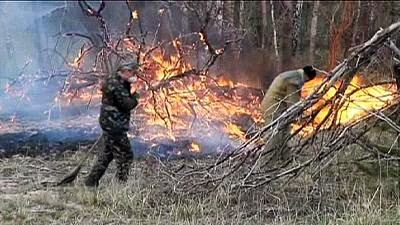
(284, 91)
(117, 102)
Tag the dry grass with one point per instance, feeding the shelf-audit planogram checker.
(341, 196)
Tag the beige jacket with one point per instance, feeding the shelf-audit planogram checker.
(284, 91)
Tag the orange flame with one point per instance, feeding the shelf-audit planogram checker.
(235, 131)
(202, 37)
(168, 67)
(186, 107)
(195, 147)
(192, 103)
(358, 101)
(135, 14)
(225, 82)
(77, 61)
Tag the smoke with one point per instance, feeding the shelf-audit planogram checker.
(31, 74)
(20, 27)
(36, 57)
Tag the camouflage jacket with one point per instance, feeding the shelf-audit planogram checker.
(117, 102)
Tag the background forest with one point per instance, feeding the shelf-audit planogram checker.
(275, 35)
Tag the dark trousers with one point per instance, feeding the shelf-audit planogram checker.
(115, 146)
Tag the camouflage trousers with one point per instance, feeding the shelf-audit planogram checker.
(114, 147)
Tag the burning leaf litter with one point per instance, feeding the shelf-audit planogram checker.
(358, 101)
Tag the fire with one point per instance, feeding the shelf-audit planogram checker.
(202, 37)
(80, 97)
(235, 131)
(196, 104)
(195, 147)
(225, 82)
(191, 105)
(135, 14)
(15, 90)
(219, 51)
(167, 67)
(77, 61)
(358, 101)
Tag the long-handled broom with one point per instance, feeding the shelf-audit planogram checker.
(74, 173)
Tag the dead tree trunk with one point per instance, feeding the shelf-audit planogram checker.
(236, 8)
(241, 26)
(337, 32)
(296, 26)
(313, 30)
(396, 66)
(238, 20)
(185, 21)
(396, 71)
(395, 13)
(220, 19)
(264, 24)
(277, 56)
(355, 28)
(241, 15)
(371, 18)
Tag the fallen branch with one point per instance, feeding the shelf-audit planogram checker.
(239, 168)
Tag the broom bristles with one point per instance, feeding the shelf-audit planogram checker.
(71, 176)
(74, 173)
